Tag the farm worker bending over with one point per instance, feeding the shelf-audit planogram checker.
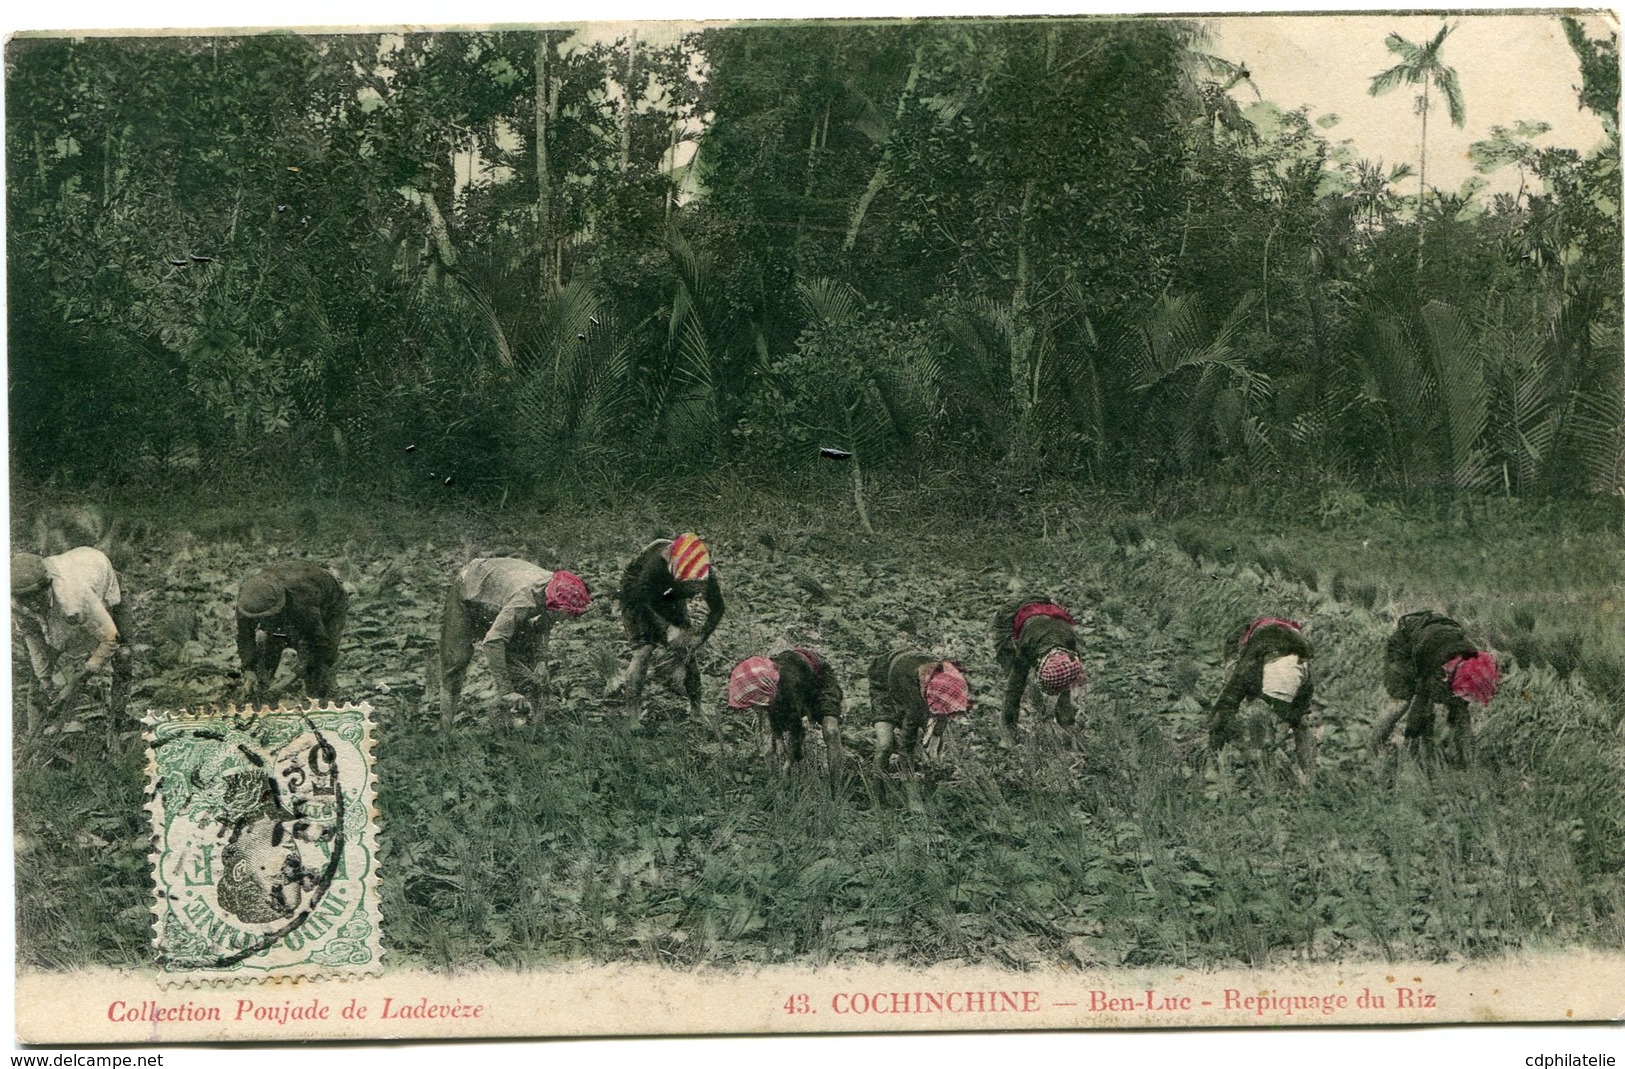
(1272, 664)
(66, 607)
(512, 603)
(1429, 661)
(791, 687)
(296, 605)
(1037, 634)
(655, 591)
(914, 693)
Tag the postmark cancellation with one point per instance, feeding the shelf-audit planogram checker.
(264, 859)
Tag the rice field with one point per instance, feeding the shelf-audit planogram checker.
(583, 837)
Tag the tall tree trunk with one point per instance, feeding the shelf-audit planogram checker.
(1422, 170)
(877, 180)
(816, 142)
(39, 161)
(1021, 335)
(857, 476)
(1265, 280)
(671, 187)
(448, 256)
(1422, 178)
(807, 186)
(544, 179)
(437, 226)
(626, 103)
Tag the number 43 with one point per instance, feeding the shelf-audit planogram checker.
(797, 1004)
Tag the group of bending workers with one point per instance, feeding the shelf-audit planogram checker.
(70, 604)
(1429, 662)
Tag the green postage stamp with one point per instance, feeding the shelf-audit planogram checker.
(264, 855)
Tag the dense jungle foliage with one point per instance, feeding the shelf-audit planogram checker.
(1081, 246)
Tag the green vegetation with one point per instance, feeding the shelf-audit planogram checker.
(582, 839)
(1083, 247)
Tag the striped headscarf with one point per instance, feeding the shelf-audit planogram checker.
(567, 593)
(690, 559)
(945, 689)
(1058, 671)
(754, 681)
(1474, 678)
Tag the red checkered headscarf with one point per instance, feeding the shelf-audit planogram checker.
(945, 689)
(754, 681)
(1474, 678)
(690, 559)
(567, 593)
(1058, 671)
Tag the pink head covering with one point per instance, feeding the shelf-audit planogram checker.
(754, 681)
(1267, 621)
(1474, 678)
(1058, 671)
(945, 689)
(567, 593)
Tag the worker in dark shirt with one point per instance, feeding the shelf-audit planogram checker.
(1272, 664)
(1037, 634)
(292, 604)
(914, 695)
(792, 688)
(655, 593)
(1430, 661)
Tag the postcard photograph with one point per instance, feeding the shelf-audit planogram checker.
(864, 525)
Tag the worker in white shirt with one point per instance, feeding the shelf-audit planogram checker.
(67, 607)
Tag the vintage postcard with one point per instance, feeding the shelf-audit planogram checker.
(865, 525)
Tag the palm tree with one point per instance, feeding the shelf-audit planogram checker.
(1421, 64)
(1372, 204)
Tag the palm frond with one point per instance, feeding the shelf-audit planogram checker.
(1167, 336)
(1390, 79)
(1597, 426)
(694, 268)
(1445, 78)
(978, 332)
(693, 371)
(1402, 48)
(1397, 388)
(911, 395)
(1462, 389)
(1431, 49)
(830, 300)
(1526, 408)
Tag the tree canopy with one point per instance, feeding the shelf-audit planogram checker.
(1078, 247)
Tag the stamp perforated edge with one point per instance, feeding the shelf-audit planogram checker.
(369, 836)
